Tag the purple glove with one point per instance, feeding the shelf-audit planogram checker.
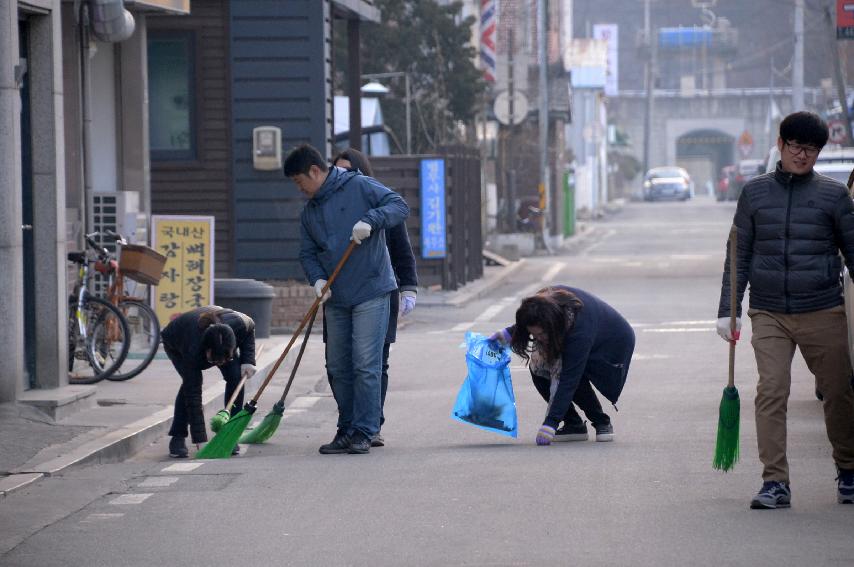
(407, 302)
(501, 337)
(545, 435)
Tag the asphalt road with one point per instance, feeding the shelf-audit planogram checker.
(443, 493)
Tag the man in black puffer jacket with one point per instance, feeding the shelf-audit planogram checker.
(792, 224)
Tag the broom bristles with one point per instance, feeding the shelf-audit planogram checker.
(223, 443)
(726, 446)
(266, 428)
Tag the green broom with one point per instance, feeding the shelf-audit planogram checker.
(270, 423)
(726, 447)
(223, 442)
(223, 415)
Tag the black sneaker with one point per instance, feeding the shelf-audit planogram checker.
(378, 441)
(236, 450)
(338, 445)
(178, 448)
(772, 495)
(604, 432)
(845, 487)
(571, 433)
(359, 444)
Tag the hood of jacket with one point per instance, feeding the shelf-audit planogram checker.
(335, 179)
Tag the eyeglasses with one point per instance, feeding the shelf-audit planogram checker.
(796, 149)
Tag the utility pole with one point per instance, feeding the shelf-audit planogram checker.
(798, 63)
(839, 79)
(650, 84)
(511, 172)
(544, 114)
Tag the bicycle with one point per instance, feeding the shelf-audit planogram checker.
(142, 321)
(98, 333)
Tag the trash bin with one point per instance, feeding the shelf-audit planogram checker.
(247, 296)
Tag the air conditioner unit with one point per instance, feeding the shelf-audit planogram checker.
(116, 211)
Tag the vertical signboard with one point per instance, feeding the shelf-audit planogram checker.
(433, 225)
(188, 278)
(844, 19)
(609, 34)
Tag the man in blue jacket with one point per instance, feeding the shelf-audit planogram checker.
(345, 206)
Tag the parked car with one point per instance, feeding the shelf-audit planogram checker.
(745, 170)
(671, 183)
(726, 181)
(838, 170)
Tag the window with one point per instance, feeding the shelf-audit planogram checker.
(171, 96)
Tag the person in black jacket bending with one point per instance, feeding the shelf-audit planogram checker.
(571, 340)
(403, 264)
(198, 340)
(792, 223)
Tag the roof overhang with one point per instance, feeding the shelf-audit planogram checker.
(363, 10)
(176, 7)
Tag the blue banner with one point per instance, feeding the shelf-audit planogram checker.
(433, 225)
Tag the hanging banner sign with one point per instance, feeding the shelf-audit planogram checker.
(433, 221)
(188, 278)
(609, 34)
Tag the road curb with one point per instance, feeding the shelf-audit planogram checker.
(119, 444)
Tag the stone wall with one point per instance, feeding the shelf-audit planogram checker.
(290, 304)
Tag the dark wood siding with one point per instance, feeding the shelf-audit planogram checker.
(203, 186)
(280, 65)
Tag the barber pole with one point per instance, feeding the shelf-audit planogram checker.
(488, 19)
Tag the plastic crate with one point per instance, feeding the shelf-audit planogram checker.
(141, 263)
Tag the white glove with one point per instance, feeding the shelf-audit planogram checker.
(318, 291)
(407, 302)
(361, 230)
(724, 330)
(247, 371)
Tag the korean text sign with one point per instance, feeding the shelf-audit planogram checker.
(188, 278)
(433, 225)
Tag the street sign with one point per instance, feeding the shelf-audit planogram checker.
(434, 226)
(745, 144)
(844, 19)
(837, 132)
(502, 107)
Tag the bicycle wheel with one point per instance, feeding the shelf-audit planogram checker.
(107, 336)
(105, 346)
(144, 339)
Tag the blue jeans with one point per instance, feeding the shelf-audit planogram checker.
(354, 347)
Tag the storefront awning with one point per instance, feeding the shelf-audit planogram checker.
(356, 10)
(165, 6)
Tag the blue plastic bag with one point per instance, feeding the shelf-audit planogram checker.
(486, 397)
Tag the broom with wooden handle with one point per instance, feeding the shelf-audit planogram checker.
(270, 423)
(221, 445)
(726, 447)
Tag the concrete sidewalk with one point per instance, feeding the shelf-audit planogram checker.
(124, 417)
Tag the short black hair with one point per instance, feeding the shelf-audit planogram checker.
(220, 340)
(804, 127)
(301, 158)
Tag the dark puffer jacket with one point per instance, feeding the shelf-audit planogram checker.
(791, 229)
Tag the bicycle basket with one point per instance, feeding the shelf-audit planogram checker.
(141, 263)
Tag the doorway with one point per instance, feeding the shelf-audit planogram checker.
(27, 211)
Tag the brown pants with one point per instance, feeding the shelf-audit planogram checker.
(822, 337)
